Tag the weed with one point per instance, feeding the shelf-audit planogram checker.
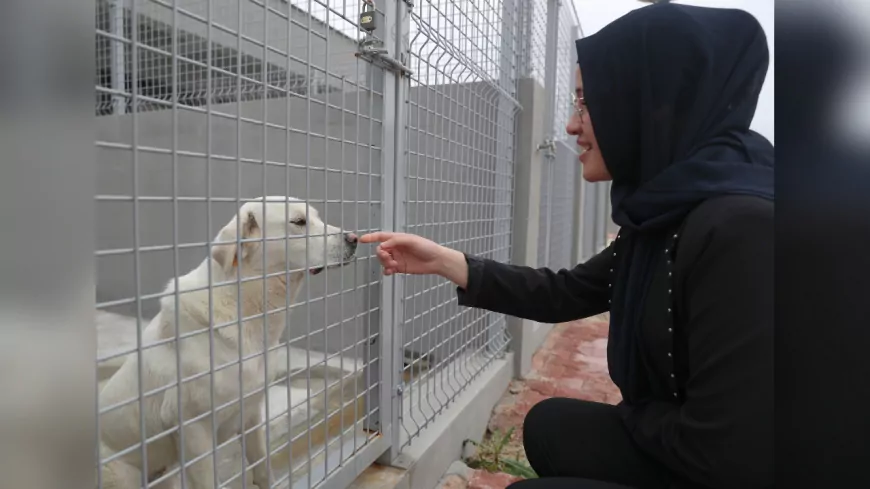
(489, 457)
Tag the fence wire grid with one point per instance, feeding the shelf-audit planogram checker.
(244, 339)
(459, 132)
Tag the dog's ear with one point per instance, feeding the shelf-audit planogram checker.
(226, 254)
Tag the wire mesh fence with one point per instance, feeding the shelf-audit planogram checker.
(459, 133)
(244, 339)
(533, 35)
(256, 358)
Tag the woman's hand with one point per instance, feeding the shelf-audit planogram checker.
(407, 253)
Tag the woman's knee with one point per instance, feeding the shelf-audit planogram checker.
(539, 419)
(542, 420)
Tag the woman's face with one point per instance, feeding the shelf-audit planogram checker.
(580, 125)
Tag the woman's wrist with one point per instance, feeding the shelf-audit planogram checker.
(454, 267)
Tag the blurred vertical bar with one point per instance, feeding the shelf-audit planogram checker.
(118, 71)
(48, 340)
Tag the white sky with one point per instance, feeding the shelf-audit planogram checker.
(595, 14)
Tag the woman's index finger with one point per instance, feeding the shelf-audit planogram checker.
(377, 237)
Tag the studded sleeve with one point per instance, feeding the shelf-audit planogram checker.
(541, 294)
(721, 434)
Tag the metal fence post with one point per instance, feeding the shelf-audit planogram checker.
(395, 95)
(548, 144)
(525, 241)
(505, 153)
(117, 68)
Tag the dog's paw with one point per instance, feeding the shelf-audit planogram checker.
(263, 482)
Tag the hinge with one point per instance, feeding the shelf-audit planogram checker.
(372, 49)
(548, 147)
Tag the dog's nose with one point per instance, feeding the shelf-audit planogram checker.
(351, 238)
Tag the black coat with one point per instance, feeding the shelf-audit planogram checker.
(706, 330)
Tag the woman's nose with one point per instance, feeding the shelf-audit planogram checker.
(573, 127)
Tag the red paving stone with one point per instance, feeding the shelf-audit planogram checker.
(572, 362)
(454, 482)
(482, 479)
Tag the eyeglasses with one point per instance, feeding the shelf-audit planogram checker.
(579, 105)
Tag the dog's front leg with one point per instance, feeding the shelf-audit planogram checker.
(256, 450)
(198, 441)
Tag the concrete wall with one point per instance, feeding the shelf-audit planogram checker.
(303, 53)
(270, 28)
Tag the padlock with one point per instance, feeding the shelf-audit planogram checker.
(368, 18)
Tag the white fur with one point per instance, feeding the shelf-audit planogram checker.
(120, 429)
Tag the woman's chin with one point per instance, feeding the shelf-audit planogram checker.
(592, 176)
(593, 168)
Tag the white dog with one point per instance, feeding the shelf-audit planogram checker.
(163, 406)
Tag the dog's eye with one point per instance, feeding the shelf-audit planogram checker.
(298, 221)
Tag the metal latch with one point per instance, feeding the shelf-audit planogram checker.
(548, 147)
(371, 48)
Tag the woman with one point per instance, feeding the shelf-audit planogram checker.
(671, 91)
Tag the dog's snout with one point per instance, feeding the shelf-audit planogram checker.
(351, 238)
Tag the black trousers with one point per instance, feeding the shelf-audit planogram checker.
(574, 444)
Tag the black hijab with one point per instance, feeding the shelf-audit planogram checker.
(671, 91)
